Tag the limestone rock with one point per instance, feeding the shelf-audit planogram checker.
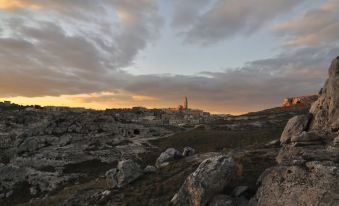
(188, 151)
(111, 178)
(326, 108)
(13, 178)
(307, 172)
(336, 142)
(294, 185)
(150, 169)
(126, 172)
(295, 126)
(208, 179)
(239, 190)
(169, 155)
(273, 143)
(34, 143)
(306, 137)
(221, 200)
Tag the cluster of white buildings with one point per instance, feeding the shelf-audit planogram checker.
(180, 116)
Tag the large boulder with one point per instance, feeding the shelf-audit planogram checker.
(221, 200)
(188, 151)
(306, 137)
(295, 126)
(336, 142)
(126, 172)
(169, 155)
(208, 179)
(150, 169)
(315, 184)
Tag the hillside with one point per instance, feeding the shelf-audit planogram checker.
(250, 129)
(82, 176)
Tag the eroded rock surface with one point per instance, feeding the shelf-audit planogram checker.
(221, 200)
(208, 179)
(126, 172)
(295, 126)
(41, 152)
(326, 108)
(169, 155)
(188, 151)
(308, 170)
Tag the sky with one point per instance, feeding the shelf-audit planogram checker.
(226, 56)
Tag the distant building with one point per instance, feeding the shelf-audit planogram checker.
(30, 109)
(56, 108)
(302, 100)
(7, 103)
(185, 103)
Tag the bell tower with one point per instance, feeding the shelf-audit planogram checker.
(185, 103)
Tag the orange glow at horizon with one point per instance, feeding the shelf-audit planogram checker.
(148, 102)
(89, 101)
(14, 4)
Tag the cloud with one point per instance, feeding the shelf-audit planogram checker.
(185, 13)
(258, 85)
(80, 48)
(68, 47)
(225, 19)
(316, 26)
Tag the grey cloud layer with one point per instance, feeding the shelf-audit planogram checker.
(223, 19)
(84, 52)
(61, 49)
(317, 26)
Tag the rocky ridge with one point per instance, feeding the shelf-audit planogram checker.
(308, 162)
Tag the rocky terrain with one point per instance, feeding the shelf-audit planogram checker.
(82, 157)
(280, 156)
(308, 162)
(306, 172)
(42, 152)
(94, 158)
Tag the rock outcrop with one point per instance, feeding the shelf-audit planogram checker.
(150, 169)
(301, 100)
(221, 200)
(295, 126)
(208, 179)
(126, 172)
(168, 155)
(188, 151)
(326, 109)
(308, 170)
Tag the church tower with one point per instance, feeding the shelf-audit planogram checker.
(185, 103)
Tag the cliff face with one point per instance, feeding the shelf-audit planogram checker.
(308, 162)
(326, 109)
(302, 100)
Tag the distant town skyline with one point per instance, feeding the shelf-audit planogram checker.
(227, 56)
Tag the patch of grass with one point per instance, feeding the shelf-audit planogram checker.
(210, 140)
(215, 137)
